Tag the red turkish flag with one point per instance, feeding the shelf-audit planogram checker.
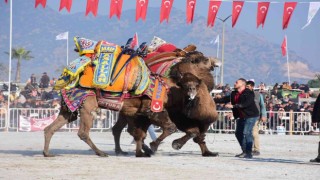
(65, 4)
(166, 6)
(191, 6)
(42, 2)
(141, 9)
(115, 8)
(92, 6)
(287, 12)
(236, 10)
(284, 46)
(212, 12)
(134, 41)
(262, 12)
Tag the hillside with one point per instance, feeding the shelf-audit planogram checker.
(245, 55)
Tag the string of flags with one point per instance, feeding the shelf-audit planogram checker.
(213, 8)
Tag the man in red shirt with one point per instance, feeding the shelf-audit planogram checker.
(245, 112)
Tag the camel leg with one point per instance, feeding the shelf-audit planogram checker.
(168, 127)
(190, 133)
(50, 130)
(139, 134)
(200, 140)
(116, 131)
(87, 115)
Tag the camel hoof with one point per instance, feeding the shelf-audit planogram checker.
(120, 152)
(141, 154)
(48, 155)
(147, 150)
(154, 146)
(176, 145)
(210, 154)
(102, 154)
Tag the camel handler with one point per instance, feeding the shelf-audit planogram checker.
(258, 99)
(246, 112)
(316, 119)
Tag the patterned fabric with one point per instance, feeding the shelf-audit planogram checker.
(74, 97)
(84, 45)
(106, 58)
(77, 66)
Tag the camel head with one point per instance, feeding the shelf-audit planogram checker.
(190, 85)
(202, 61)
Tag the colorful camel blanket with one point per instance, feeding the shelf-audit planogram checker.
(74, 97)
(84, 46)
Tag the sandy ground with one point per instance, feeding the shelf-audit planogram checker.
(282, 157)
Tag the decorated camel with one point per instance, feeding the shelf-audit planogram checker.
(131, 104)
(180, 110)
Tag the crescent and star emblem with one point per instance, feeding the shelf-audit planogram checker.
(263, 9)
(142, 2)
(156, 107)
(191, 4)
(167, 3)
(289, 10)
(214, 8)
(238, 8)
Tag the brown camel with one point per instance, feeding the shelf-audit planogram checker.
(137, 109)
(201, 68)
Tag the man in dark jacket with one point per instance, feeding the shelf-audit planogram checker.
(246, 112)
(316, 119)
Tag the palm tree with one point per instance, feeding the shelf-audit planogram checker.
(20, 54)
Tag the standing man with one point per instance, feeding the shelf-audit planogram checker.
(258, 99)
(316, 119)
(246, 112)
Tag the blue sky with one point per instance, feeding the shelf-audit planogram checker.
(304, 42)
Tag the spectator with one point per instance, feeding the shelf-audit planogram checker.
(52, 82)
(33, 80)
(302, 94)
(295, 85)
(285, 85)
(44, 81)
(258, 99)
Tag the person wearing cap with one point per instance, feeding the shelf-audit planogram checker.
(44, 81)
(246, 112)
(316, 119)
(258, 99)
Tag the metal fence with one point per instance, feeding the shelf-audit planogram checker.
(3, 119)
(24, 119)
(278, 122)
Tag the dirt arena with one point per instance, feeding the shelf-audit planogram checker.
(282, 157)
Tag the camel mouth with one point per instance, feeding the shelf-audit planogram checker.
(192, 96)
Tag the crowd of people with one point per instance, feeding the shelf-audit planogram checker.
(33, 95)
(278, 105)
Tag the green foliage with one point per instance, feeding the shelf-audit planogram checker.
(20, 54)
(314, 83)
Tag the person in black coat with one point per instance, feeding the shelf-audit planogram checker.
(316, 119)
(246, 112)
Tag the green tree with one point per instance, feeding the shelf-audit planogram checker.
(20, 54)
(314, 83)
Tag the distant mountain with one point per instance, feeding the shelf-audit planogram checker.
(245, 55)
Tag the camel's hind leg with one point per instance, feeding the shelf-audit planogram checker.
(168, 127)
(139, 134)
(87, 115)
(54, 126)
(200, 140)
(116, 131)
(190, 133)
